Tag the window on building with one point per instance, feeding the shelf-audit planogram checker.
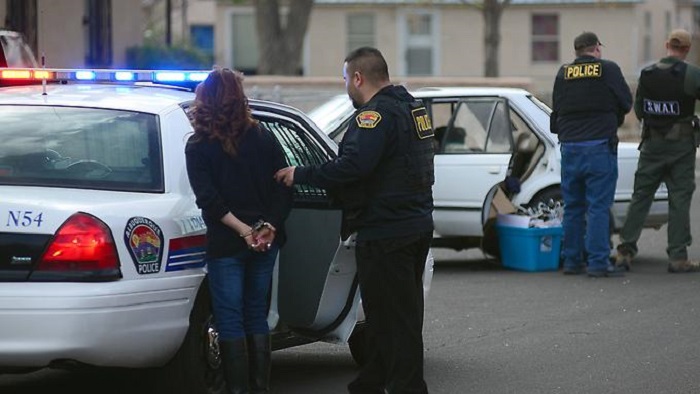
(244, 43)
(420, 43)
(360, 28)
(98, 33)
(545, 38)
(202, 37)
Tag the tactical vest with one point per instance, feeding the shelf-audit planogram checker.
(665, 101)
(584, 88)
(411, 169)
(398, 178)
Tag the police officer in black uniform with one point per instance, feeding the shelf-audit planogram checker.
(665, 102)
(590, 100)
(383, 177)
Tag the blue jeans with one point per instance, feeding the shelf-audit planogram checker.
(588, 179)
(239, 287)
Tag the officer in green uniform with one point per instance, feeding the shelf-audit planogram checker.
(665, 102)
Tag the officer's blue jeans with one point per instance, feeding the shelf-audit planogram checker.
(239, 287)
(588, 179)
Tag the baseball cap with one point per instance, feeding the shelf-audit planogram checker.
(679, 38)
(586, 39)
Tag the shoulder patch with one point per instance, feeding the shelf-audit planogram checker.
(583, 70)
(368, 119)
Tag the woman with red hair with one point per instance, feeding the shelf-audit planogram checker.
(231, 160)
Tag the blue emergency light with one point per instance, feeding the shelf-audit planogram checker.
(168, 77)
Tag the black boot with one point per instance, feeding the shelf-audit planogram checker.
(234, 357)
(259, 352)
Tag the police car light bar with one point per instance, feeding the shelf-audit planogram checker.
(102, 75)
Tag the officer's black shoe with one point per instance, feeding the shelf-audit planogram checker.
(613, 271)
(575, 270)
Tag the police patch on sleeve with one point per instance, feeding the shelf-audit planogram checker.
(421, 120)
(144, 240)
(368, 119)
(583, 70)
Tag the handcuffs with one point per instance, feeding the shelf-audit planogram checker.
(257, 226)
(260, 224)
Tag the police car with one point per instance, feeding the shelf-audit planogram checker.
(102, 245)
(483, 135)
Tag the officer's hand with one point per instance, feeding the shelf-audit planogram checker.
(285, 175)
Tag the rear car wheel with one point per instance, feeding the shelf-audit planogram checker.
(195, 368)
(552, 194)
(549, 197)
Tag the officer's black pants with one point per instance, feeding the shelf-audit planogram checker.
(391, 283)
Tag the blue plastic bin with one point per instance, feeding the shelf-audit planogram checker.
(530, 249)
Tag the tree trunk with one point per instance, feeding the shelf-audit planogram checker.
(492, 11)
(281, 44)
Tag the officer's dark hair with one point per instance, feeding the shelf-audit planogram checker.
(369, 62)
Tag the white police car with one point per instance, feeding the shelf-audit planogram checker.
(483, 135)
(102, 245)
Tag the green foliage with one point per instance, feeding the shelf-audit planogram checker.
(152, 56)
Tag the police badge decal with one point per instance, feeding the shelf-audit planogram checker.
(144, 240)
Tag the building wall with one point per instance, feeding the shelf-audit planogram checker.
(461, 44)
(61, 35)
(67, 49)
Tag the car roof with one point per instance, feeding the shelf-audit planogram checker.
(139, 98)
(429, 92)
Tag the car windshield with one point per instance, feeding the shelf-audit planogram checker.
(85, 148)
(331, 114)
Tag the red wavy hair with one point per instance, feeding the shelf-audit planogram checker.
(221, 109)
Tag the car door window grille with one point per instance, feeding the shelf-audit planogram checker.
(300, 150)
(87, 148)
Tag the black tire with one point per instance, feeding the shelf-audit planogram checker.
(358, 345)
(195, 368)
(546, 196)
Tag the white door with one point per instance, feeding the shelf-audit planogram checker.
(474, 149)
(317, 293)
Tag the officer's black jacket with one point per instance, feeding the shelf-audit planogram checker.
(371, 176)
(589, 108)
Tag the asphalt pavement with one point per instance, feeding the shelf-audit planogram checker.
(493, 330)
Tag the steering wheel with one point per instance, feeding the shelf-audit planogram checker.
(89, 169)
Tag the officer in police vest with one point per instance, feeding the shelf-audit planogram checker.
(383, 177)
(665, 103)
(590, 100)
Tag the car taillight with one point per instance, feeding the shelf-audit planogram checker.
(82, 249)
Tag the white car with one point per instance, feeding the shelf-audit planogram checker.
(102, 245)
(483, 135)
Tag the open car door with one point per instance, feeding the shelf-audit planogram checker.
(315, 294)
(474, 149)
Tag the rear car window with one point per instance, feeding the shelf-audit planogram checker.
(86, 148)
